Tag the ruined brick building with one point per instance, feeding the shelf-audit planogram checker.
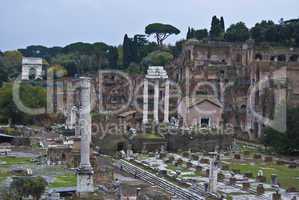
(243, 82)
(251, 82)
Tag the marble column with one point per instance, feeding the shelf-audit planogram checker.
(85, 171)
(213, 175)
(145, 102)
(156, 102)
(166, 103)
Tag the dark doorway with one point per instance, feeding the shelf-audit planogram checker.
(204, 122)
(120, 146)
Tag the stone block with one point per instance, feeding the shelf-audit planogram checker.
(207, 173)
(276, 196)
(232, 181)
(292, 166)
(204, 161)
(248, 175)
(189, 164)
(260, 190)
(291, 189)
(245, 186)
(280, 162)
(268, 159)
(237, 156)
(261, 179)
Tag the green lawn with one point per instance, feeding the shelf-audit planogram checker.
(14, 160)
(286, 177)
(69, 180)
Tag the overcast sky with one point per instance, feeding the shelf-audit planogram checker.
(60, 22)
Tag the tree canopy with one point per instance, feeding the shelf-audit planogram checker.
(237, 33)
(217, 28)
(161, 31)
(31, 96)
(197, 34)
(22, 187)
(159, 58)
(285, 143)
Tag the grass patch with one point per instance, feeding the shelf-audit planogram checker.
(3, 175)
(286, 177)
(150, 136)
(14, 160)
(64, 181)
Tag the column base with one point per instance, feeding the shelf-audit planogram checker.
(85, 183)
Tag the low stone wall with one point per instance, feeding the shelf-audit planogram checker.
(199, 142)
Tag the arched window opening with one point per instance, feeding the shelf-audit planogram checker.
(281, 58)
(258, 56)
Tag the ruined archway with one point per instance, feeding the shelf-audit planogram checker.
(258, 56)
(282, 58)
(294, 58)
(32, 74)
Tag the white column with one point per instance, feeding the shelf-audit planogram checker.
(145, 102)
(85, 122)
(222, 90)
(156, 101)
(166, 103)
(100, 92)
(213, 177)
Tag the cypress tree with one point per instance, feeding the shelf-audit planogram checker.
(216, 28)
(126, 51)
(222, 24)
(188, 34)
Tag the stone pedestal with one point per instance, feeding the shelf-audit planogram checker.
(260, 189)
(245, 186)
(276, 196)
(85, 182)
(274, 179)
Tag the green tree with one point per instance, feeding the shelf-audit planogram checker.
(161, 31)
(127, 51)
(201, 34)
(26, 186)
(31, 96)
(217, 29)
(12, 61)
(285, 143)
(264, 32)
(113, 57)
(159, 58)
(237, 33)
(222, 24)
(189, 36)
(3, 72)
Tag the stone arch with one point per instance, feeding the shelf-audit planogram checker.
(294, 58)
(282, 58)
(63, 156)
(239, 58)
(243, 107)
(258, 56)
(273, 58)
(32, 73)
(121, 146)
